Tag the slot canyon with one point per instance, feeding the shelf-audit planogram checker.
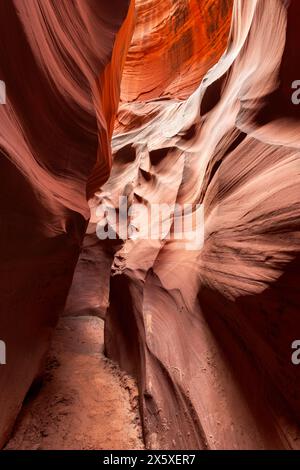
(133, 341)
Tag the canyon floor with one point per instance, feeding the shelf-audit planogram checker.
(84, 401)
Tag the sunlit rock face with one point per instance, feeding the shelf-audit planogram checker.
(174, 43)
(61, 62)
(208, 331)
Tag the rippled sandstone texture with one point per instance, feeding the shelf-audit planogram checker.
(208, 332)
(175, 42)
(61, 62)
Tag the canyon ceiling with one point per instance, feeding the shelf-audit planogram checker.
(163, 102)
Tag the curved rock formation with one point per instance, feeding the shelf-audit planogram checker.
(61, 62)
(173, 46)
(205, 328)
(208, 331)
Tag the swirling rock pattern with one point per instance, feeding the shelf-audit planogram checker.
(208, 332)
(61, 62)
(174, 44)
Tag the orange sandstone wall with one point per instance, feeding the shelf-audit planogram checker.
(208, 332)
(174, 43)
(61, 62)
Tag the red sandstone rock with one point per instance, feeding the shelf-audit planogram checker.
(173, 46)
(59, 60)
(206, 332)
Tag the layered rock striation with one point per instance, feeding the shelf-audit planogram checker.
(203, 318)
(61, 62)
(208, 331)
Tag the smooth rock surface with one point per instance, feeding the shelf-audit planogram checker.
(208, 332)
(61, 62)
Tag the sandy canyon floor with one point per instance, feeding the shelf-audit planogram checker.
(84, 401)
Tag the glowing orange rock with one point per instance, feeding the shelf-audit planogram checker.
(174, 44)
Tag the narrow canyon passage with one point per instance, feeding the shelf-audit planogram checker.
(84, 401)
(172, 329)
